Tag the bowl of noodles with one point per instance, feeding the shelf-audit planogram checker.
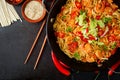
(85, 33)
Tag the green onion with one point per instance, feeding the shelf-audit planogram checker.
(106, 19)
(69, 29)
(76, 55)
(81, 12)
(63, 17)
(113, 46)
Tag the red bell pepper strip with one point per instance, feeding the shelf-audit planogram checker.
(59, 66)
(112, 69)
(78, 4)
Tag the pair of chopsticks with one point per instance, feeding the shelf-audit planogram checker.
(35, 41)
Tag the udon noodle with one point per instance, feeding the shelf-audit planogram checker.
(88, 30)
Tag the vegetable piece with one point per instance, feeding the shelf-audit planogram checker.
(76, 55)
(106, 19)
(98, 17)
(100, 32)
(91, 37)
(60, 34)
(112, 69)
(81, 19)
(73, 14)
(72, 46)
(105, 32)
(59, 66)
(69, 29)
(101, 23)
(112, 38)
(113, 46)
(93, 27)
(78, 4)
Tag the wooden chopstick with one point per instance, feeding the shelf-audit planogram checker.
(33, 45)
(36, 63)
(38, 58)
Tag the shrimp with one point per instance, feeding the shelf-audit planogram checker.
(88, 48)
(110, 1)
(99, 8)
(71, 22)
(108, 10)
(90, 59)
(87, 2)
(69, 39)
(89, 12)
(98, 54)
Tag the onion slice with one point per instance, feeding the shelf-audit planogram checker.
(106, 30)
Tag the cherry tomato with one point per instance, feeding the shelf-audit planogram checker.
(72, 46)
(78, 4)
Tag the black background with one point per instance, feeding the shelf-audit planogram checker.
(15, 43)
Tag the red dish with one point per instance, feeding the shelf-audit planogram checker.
(14, 2)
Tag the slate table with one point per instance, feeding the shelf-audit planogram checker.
(15, 43)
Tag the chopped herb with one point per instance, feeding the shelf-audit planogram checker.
(106, 19)
(63, 17)
(69, 29)
(113, 46)
(81, 12)
(76, 38)
(103, 47)
(76, 55)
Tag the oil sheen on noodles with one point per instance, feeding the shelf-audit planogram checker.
(88, 30)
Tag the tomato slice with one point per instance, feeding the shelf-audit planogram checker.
(72, 46)
(79, 33)
(60, 34)
(78, 4)
(100, 31)
(112, 38)
(91, 37)
(98, 17)
(73, 14)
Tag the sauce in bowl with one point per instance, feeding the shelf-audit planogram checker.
(33, 11)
